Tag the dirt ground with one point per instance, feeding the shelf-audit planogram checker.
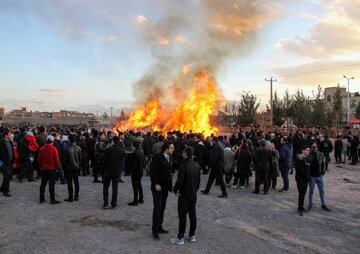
(242, 223)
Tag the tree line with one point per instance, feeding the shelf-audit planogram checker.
(298, 108)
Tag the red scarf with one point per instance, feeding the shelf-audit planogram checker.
(33, 146)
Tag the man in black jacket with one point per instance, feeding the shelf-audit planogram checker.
(354, 149)
(57, 145)
(72, 159)
(216, 164)
(317, 172)
(199, 150)
(136, 175)
(161, 184)
(326, 148)
(302, 176)
(112, 160)
(7, 159)
(147, 145)
(338, 149)
(27, 152)
(99, 153)
(186, 187)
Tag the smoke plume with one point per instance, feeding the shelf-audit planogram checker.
(195, 35)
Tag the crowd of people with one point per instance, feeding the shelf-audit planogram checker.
(64, 153)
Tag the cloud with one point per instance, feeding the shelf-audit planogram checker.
(30, 103)
(88, 19)
(141, 20)
(162, 40)
(309, 16)
(54, 91)
(324, 73)
(109, 38)
(75, 32)
(336, 33)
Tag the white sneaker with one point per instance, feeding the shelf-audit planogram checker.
(242, 187)
(176, 240)
(234, 187)
(191, 238)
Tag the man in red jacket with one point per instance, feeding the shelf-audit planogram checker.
(48, 163)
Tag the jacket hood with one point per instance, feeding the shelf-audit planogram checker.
(33, 146)
(48, 147)
(243, 147)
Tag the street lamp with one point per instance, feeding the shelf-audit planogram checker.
(348, 97)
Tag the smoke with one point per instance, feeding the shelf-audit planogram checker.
(198, 34)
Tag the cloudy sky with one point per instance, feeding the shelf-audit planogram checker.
(89, 55)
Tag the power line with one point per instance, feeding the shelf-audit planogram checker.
(321, 70)
(298, 74)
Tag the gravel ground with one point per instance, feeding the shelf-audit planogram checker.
(242, 223)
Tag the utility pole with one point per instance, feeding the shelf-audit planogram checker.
(348, 99)
(271, 80)
(111, 112)
(97, 118)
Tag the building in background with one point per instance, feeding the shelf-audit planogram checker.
(23, 117)
(329, 94)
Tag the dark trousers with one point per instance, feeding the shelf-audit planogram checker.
(242, 178)
(7, 173)
(228, 177)
(261, 177)
(129, 161)
(354, 158)
(97, 170)
(205, 168)
(326, 160)
(85, 170)
(216, 173)
(272, 181)
(236, 179)
(137, 188)
(72, 176)
(27, 171)
(302, 188)
(186, 205)
(148, 161)
(284, 169)
(338, 156)
(115, 184)
(36, 166)
(159, 200)
(48, 175)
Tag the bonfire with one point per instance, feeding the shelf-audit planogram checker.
(191, 114)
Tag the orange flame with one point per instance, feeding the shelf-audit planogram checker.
(191, 114)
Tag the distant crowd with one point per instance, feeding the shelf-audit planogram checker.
(64, 153)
